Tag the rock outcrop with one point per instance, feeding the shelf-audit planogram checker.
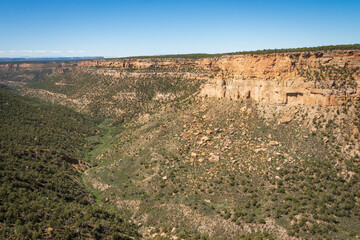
(152, 74)
(275, 91)
(141, 63)
(291, 78)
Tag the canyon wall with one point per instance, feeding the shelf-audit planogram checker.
(141, 63)
(290, 78)
(34, 65)
(204, 75)
(275, 92)
(308, 78)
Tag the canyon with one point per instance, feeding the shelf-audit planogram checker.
(232, 146)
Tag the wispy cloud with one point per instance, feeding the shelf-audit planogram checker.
(40, 51)
(31, 51)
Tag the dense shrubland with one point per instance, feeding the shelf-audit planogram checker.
(41, 193)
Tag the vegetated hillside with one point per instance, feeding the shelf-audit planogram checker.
(220, 169)
(42, 193)
(102, 95)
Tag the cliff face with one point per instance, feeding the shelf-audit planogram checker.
(315, 78)
(141, 63)
(292, 78)
(281, 66)
(152, 74)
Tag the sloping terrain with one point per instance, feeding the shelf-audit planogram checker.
(42, 193)
(221, 169)
(101, 95)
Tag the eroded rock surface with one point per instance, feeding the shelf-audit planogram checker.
(309, 78)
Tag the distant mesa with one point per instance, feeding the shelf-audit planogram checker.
(47, 59)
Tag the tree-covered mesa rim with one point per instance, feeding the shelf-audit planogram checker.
(264, 51)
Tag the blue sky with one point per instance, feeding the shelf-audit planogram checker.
(39, 28)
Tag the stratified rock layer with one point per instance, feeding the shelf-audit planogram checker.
(309, 78)
(290, 78)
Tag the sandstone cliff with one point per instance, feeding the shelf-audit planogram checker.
(308, 78)
(141, 63)
(297, 78)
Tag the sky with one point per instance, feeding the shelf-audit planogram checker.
(110, 28)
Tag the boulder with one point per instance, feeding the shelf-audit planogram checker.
(285, 119)
(209, 131)
(205, 139)
(273, 143)
(214, 158)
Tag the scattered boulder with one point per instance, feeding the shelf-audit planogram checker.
(214, 158)
(205, 139)
(197, 133)
(273, 143)
(257, 150)
(285, 119)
